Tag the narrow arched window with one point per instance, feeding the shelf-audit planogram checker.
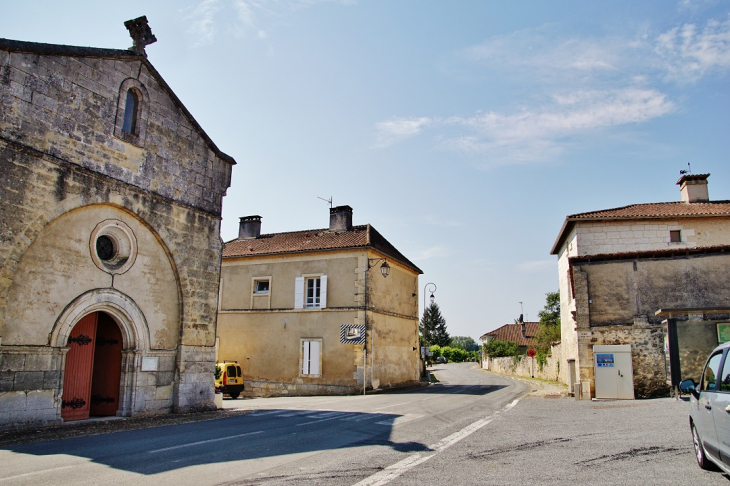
(131, 109)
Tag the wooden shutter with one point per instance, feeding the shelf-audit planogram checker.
(314, 356)
(323, 291)
(299, 293)
(305, 357)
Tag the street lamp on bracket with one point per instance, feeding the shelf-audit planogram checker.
(384, 268)
(428, 345)
(384, 271)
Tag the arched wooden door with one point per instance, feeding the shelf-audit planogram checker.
(93, 368)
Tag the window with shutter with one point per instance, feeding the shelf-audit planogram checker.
(310, 292)
(311, 357)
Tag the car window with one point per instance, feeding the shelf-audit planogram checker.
(725, 377)
(231, 371)
(709, 377)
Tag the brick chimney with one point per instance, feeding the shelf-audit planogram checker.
(340, 219)
(693, 188)
(249, 227)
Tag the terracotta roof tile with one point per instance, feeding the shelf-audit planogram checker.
(363, 236)
(513, 332)
(659, 210)
(667, 210)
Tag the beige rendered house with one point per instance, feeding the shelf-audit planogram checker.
(109, 236)
(324, 311)
(645, 293)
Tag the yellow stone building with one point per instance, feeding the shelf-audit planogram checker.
(109, 236)
(324, 311)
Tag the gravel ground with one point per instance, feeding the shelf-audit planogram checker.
(539, 388)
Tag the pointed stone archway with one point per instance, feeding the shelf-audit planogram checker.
(118, 318)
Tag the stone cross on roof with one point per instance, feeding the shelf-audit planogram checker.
(141, 33)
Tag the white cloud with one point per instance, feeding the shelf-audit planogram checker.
(539, 266)
(688, 52)
(393, 131)
(202, 23)
(437, 251)
(537, 134)
(449, 223)
(575, 87)
(243, 17)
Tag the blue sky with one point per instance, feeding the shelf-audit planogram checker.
(464, 131)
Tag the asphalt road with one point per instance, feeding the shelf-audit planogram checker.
(468, 429)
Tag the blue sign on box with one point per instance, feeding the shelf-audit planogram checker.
(604, 360)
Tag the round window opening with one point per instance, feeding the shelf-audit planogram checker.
(113, 246)
(105, 248)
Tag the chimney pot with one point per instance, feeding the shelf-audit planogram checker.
(693, 188)
(249, 227)
(341, 219)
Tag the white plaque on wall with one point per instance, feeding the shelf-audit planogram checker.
(150, 364)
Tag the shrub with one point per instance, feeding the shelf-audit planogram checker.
(498, 349)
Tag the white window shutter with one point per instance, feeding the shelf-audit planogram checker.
(299, 293)
(305, 357)
(314, 352)
(323, 291)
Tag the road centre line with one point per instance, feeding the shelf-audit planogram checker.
(393, 471)
(205, 442)
(396, 405)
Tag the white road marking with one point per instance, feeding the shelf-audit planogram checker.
(396, 405)
(393, 421)
(326, 419)
(393, 471)
(205, 442)
(37, 472)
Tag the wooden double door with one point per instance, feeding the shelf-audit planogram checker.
(93, 368)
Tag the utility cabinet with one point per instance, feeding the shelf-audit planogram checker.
(613, 371)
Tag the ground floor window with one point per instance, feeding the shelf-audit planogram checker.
(311, 357)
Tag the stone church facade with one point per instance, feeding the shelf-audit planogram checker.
(110, 210)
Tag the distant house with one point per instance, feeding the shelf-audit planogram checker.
(644, 293)
(310, 312)
(522, 334)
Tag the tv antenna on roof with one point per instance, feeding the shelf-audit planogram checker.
(326, 200)
(688, 171)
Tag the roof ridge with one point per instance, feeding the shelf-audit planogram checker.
(323, 230)
(618, 208)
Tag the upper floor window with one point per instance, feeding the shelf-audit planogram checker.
(675, 236)
(261, 286)
(314, 292)
(131, 112)
(310, 292)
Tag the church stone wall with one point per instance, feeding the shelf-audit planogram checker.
(63, 167)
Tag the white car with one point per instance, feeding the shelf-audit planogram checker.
(709, 411)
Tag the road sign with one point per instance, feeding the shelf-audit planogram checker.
(352, 334)
(531, 353)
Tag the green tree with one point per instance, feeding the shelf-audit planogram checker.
(498, 349)
(464, 342)
(549, 331)
(433, 326)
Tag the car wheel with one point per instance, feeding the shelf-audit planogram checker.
(702, 459)
(234, 395)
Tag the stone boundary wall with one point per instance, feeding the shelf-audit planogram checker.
(277, 389)
(526, 366)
